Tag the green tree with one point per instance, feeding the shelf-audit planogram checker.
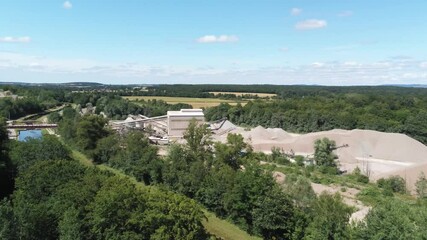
(218, 182)
(3, 144)
(329, 218)
(198, 138)
(54, 117)
(182, 172)
(24, 154)
(393, 219)
(273, 215)
(138, 158)
(70, 225)
(249, 187)
(421, 186)
(299, 189)
(278, 156)
(122, 204)
(323, 153)
(35, 199)
(89, 130)
(7, 221)
(232, 152)
(106, 149)
(6, 168)
(393, 184)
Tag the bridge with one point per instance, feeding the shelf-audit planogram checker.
(32, 126)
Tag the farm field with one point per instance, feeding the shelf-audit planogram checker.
(195, 102)
(262, 95)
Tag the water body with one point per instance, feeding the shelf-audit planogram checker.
(28, 134)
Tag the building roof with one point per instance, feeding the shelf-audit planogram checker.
(187, 113)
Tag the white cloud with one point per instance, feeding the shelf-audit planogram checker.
(296, 11)
(345, 14)
(284, 49)
(217, 39)
(67, 5)
(15, 39)
(311, 24)
(21, 67)
(317, 64)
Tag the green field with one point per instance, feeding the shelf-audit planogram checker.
(195, 102)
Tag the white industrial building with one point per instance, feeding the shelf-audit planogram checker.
(178, 121)
(170, 126)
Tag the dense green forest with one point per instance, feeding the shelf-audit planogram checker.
(56, 197)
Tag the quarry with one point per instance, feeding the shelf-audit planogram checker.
(377, 154)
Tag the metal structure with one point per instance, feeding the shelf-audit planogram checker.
(161, 128)
(32, 126)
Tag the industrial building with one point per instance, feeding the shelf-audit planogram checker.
(178, 121)
(162, 128)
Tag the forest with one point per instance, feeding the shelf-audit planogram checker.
(48, 193)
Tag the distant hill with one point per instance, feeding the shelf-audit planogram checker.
(88, 84)
(408, 85)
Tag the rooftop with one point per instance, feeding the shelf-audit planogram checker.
(187, 112)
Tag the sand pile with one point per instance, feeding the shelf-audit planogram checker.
(379, 154)
(261, 135)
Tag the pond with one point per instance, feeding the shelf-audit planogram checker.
(27, 134)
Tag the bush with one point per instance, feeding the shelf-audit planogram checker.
(299, 160)
(278, 156)
(394, 184)
(358, 176)
(328, 170)
(370, 195)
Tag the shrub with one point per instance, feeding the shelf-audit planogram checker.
(299, 160)
(394, 184)
(358, 176)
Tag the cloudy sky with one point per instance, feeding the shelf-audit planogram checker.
(328, 42)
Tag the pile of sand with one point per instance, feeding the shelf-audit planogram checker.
(378, 154)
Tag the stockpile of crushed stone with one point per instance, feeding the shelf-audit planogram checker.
(386, 154)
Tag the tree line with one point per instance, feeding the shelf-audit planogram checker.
(401, 114)
(56, 197)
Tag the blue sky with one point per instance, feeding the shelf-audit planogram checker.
(329, 42)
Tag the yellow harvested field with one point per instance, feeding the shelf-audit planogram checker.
(195, 102)
(247, 93)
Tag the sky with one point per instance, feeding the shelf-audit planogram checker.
(325, 42)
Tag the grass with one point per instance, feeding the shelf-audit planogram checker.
(195, 102)
(81, 158)
(262, 95)
(213, 225)
(225, 230)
